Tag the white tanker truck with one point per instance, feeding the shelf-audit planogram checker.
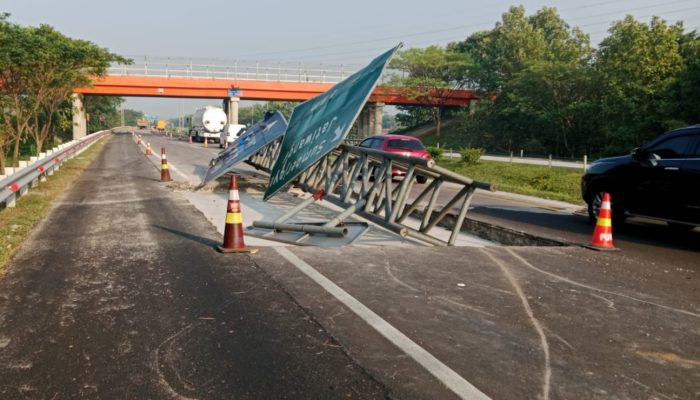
(207, 124)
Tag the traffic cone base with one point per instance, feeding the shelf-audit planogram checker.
(244, 249)
(602, 234)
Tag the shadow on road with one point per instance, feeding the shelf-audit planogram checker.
(194, 238)
(577, 228)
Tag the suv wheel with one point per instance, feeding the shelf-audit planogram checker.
(618, 209)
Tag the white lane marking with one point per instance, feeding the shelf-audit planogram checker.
(460, 386)
(569, 281)
(535, 323)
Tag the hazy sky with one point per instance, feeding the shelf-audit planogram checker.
(349, 33)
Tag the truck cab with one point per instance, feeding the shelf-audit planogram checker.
(230, 133)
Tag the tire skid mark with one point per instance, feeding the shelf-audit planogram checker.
(460, 305)
(645, 387)
(599, 290)
(387, 268)
(610, 303)
(162, 380)
(535, 322)
(560, 339)
(167, 344)
(442, 299)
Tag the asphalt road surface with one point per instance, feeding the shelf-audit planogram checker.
(119, 294)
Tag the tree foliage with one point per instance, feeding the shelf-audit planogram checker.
(552, 92)
(39, 69)
(430, 76)
(540, 69)
(638, 65)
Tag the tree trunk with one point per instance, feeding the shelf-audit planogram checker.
(15, 152)
(438, 124)
(436, 119)
(43, 133)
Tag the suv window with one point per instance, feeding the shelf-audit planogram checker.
(696, 153)
(405, 144)
(677, 147)
(367, 142)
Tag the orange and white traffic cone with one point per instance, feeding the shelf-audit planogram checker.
(233, 231)
(139, 140)
(602, 235)
(149, 151)
(206, 142)
(164, 171)
(189, 141)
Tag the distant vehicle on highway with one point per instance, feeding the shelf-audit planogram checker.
(230, 133)
(207, 124)
(406, 145)
(142, 123)
(659, 180)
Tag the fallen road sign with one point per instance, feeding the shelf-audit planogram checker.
(317, 126)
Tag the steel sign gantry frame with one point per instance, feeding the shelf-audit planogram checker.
(376, 197)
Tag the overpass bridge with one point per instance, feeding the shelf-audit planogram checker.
(232, 81)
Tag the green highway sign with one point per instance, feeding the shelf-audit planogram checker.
(317, 126)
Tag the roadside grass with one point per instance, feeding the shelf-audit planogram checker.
(16, 223)
(554, 183)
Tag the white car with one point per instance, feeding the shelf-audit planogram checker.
(230, 133)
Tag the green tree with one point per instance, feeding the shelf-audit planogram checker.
(639, 64)
(103, 111)
(539, 69)
(131, 116)
(40, 68)
(430, 76)
(252, 114)
(18, 97)
(65, 64)
(410, 116)
(685, 89)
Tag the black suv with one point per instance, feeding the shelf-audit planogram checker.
(660, 180)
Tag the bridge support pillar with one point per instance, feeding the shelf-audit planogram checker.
(370, 120)
(231, 109)
(79, 117)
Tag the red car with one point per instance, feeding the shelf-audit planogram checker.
(406, 145)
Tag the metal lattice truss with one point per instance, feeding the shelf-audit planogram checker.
(361, 181)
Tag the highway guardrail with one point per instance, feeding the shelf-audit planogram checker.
(38, 168)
